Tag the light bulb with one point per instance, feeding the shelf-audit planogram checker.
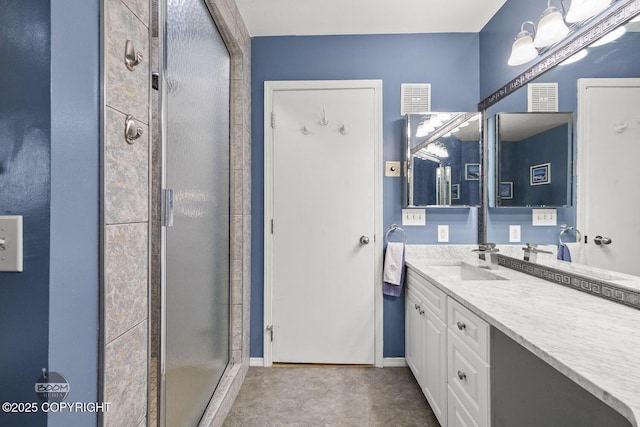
(522, 50)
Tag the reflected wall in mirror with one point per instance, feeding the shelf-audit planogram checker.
(534, 159)
(442, 155)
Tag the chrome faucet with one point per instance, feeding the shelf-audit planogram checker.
(488, 255)
(531, 252)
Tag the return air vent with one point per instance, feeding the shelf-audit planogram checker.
(543, 97)
(416, 98)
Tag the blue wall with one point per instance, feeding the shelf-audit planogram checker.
(49, 146)
(449, 62)
(25, 190)
(75, 133)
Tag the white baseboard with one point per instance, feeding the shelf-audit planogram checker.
(256, 361)
(387, 362)
(394, 362)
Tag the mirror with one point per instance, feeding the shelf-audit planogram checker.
(442, 159)
(534, 159)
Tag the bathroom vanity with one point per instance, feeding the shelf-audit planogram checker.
(502, 348)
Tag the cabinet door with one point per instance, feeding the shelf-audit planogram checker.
(435, 364)
(413, 335)
(458, 416)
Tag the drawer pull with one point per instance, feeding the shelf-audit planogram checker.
(461, 326)
(462, 376)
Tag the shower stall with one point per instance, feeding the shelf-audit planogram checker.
(190, 342)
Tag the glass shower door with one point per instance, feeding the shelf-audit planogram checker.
(196, 246)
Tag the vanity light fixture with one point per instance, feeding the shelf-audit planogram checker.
(551, 28)
(585, 9)
(608, 38)
(523, 50)
(575, 57)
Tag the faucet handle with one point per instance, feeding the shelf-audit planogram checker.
(486, 247)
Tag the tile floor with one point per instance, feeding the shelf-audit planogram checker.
(330, 396)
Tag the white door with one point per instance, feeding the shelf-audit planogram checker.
(608, 154)
(324, 191)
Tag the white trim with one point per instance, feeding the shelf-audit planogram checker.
(256, 361)
(269, 88)
(394, 362)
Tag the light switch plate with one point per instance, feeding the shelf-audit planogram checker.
(443, 233)
(514, 234)
(414, 217)
(544, 217)
(11, 243)
(392, 169)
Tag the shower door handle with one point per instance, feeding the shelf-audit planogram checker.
(167, 207)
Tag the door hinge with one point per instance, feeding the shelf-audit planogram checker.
(166, 209)
(269, 329)
(271, 226)
(273, 120)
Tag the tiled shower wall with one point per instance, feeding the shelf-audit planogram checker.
(126, 188)
(126, 215)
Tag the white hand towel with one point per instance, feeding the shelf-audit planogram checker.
(393, 263)
(575, 249)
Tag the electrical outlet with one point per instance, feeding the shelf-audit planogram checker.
(414, 217)
(392, 169)
(514, 234)
(443, 233)
(544, 217)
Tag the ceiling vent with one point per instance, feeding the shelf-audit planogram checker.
(416, 98)
(543, 97)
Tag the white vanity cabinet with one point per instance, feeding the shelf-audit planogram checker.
(447, 349)
(426, 341)
(467, 367)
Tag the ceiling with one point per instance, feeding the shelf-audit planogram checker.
(518, 126)
(314, 17)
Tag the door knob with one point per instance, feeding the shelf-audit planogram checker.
(599, 240)
(364, 240)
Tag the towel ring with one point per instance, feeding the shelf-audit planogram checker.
(564, 229)
(394, 227)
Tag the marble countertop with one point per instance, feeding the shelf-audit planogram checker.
(594, 342)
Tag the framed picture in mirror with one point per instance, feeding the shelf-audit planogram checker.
(506, 190)
(540, 174)
(472, 171)
(455, 192)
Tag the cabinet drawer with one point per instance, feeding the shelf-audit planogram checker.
(457, 415)
(434, 299)
(468, 378)
(472, 330)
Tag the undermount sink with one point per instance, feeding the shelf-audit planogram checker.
(463, 271)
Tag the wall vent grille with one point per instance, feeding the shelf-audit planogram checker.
(543, 97)
(416, 98)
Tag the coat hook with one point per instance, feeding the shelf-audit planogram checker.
(131, 57)
(344, 130)
(131, 130)
(621, 127)
(305, 130)
(324, 121)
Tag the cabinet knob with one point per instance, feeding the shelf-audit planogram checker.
(461, 326)
(462, 376)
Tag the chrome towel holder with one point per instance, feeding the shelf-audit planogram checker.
(564, 228)
(394, 227)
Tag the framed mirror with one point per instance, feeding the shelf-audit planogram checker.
(442, 159)
(534, 158)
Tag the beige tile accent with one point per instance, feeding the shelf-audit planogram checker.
(127, 91)
(125, 379)
(140, 8)
(126, 172)
(125, 300)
